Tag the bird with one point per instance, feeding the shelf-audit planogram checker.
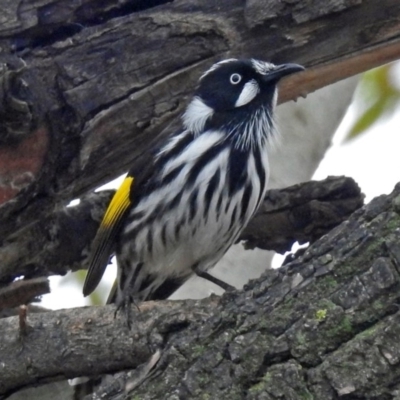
(201, 185)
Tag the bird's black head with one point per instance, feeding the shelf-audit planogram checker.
(233, 91)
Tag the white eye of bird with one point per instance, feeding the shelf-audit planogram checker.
(235, 79)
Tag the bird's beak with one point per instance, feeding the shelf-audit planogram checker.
(282, 70)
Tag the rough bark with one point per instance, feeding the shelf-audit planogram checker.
(324, 326)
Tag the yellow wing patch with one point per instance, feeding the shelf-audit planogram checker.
(119, 203)
(104, 241)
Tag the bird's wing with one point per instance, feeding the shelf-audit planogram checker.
(104, 240)
(140, 174)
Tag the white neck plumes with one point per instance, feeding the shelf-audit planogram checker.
(196, 115)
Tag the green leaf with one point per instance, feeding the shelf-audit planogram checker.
(368, 118)
(377, 97)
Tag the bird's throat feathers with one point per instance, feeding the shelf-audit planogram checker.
(246, 127)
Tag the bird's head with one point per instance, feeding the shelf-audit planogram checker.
(234, 91)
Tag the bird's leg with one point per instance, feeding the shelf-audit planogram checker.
(125, 304)
(128, 312)
(213, 279)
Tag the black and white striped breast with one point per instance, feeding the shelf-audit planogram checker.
(203, 195)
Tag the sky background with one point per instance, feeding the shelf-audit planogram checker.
(372, 159)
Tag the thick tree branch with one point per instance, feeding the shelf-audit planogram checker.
(324, 326)
(302, 213)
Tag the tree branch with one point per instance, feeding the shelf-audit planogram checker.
(325, 325)
(302, 213)
(23, 292)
